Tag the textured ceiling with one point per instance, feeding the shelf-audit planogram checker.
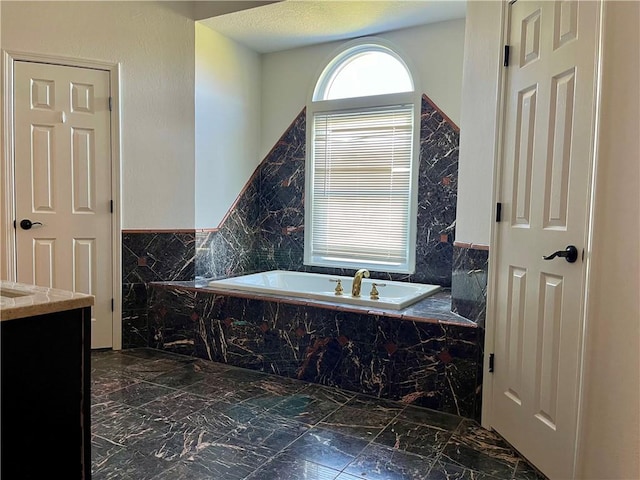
(296, 23)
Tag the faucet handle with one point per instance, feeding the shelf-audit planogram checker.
(375, 295)
(339, 289)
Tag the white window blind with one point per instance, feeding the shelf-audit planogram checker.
(361, 186)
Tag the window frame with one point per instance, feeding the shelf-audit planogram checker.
(355, 104)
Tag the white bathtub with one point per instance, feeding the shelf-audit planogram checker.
(393, 295)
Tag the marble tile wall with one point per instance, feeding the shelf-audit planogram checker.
(150, 257)
(265, 229)
(469, 282)
(426, 364)
(469, 295)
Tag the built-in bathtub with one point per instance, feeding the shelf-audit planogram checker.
(391, 294)
(423, 354)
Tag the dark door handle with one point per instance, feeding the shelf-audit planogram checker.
(570, 254)
(26, 224)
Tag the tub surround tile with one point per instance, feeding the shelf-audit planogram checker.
(147, 257)
(282, 176)
(250, 237)
(426, 364)
(154, 256)
(437, 196)
(469, 282)
(264, 230)
(231, 248)
(469, 296)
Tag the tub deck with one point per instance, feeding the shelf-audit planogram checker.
(434, 309)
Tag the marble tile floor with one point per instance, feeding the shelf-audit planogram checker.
(161, 416)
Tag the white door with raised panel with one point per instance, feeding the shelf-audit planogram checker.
(63, 184)
(544, 191)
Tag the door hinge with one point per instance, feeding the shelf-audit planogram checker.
(113, 305)
(491, 359)
(14, 224)
(498, 212)
(507, 48)
(110, 104)
(111, 206)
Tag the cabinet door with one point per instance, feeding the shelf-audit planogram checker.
(45, 400)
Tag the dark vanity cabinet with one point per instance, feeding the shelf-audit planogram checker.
(45, 396)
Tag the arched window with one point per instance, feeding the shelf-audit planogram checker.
(362, 71)
(361, 184)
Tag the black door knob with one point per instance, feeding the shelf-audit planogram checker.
(26, 224)
(570, 254)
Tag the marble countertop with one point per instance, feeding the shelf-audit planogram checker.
(19, 300)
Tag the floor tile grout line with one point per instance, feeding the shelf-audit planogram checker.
(372, 443)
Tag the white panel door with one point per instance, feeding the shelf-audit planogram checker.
(547, 159)
(63, 184)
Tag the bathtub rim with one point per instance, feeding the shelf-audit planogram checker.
(423, 290)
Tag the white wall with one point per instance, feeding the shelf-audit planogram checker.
(435, 51)
(162, 81)
(154, 43)
(611, 436)
(227, 109)
(480, 89)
